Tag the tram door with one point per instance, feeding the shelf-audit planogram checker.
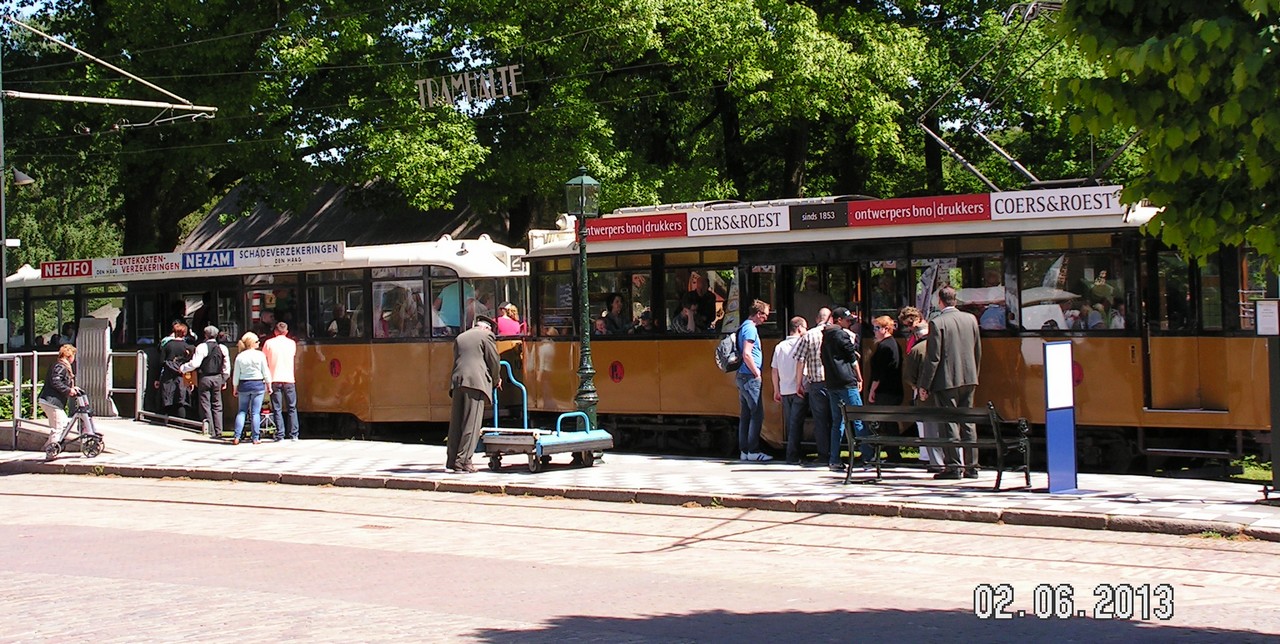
(1185, 366)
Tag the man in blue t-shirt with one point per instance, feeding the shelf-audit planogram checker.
(751, 416)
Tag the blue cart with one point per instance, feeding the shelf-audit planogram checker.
(538, 445)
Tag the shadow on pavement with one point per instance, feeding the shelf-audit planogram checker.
(859, 626)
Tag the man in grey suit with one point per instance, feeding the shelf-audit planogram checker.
(949, 377)
(475, 373)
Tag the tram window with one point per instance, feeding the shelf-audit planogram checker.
(511, 293)
(270, 299)
(482, 300)
(706, 291)
(978, 282)
(555, 298)
(17, 325)
(1173, 311)
(336, 310)
(842, 285)
(144, 321)
(110, 308)
(1211, 295)
(1074, 291)
(619, 299)
(763, 286)
(48, 320)
(886, 296)
(398, 309)
(1253, 287)
(808, 297)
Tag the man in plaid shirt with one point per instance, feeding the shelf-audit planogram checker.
(812, 381)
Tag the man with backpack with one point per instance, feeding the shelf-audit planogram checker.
(751, 416)
(213, 365)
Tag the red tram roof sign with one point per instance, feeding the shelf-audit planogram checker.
(943, 209)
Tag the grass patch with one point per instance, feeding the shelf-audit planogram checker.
(1252, 469)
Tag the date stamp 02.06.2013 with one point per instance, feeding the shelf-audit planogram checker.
(1048, 601)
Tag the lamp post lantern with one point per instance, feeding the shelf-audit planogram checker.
(582, 200)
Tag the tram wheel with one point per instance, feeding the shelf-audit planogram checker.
(535, 463)
(495, 462)
(91, 447)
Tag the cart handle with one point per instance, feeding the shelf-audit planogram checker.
(524, 396)
(586, 420)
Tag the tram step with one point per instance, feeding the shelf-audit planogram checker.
(1201, 453)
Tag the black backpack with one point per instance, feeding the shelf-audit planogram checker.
(728, 358)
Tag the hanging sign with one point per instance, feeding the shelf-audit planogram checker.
(472, 86)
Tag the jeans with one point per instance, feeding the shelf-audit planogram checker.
(793, 409)
(820, 407)
(284, 406)
(850, 396)
(250, 394)
(751, 413)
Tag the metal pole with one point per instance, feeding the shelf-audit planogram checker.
(1273, 352)
(586, 399)
(4, 238)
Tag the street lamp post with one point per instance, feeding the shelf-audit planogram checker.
(582, 200)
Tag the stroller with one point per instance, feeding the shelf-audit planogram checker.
(79, 428)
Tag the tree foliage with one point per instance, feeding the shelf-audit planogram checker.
(662, 100)
(1200, 79)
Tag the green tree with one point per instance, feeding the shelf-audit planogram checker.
(307, 92)
(1200, 80)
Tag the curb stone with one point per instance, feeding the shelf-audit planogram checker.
(950, 513)
(1170, 526)
(1014, 516)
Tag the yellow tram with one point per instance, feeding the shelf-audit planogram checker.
(373, 323)
(1166, 358)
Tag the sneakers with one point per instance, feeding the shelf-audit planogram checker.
(742, 456)
(836, 467)
(759, 457)
(294, 439)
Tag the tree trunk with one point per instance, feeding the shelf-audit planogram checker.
(795, 160)
(734, 165)
(933, 158)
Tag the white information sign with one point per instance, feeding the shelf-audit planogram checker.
(1058, 385)
(1268, 319)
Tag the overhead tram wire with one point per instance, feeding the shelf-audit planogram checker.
(382, 128)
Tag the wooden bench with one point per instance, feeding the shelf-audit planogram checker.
(1001, 441)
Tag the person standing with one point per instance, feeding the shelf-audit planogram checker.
(750, 379)
(949, 376)
(475, 374)
(844, 376)
(884, 382)
(282, 353)
(175, 395)
(59, 387)
(917, 344)
(509, 320)
(699, 287)
(249, 383)
(786, 390)
(811, 382)
(212, 364)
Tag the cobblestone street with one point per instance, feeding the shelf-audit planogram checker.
(116, 559)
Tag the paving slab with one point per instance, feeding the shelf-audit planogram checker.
(1108, 502)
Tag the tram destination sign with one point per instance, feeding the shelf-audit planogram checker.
(160, 264)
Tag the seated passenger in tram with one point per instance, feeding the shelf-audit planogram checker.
(644, 324)
(614, 322)
(342, 325)
(686, 321)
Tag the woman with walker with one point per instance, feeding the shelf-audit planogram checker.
(59, 387)
(250, 381)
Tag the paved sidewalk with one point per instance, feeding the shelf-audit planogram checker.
(1112, 502)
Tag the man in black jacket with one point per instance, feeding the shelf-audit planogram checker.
(844, 376)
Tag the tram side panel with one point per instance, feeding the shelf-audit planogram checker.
(335, 379)
(662, 377)
(1199, 383)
